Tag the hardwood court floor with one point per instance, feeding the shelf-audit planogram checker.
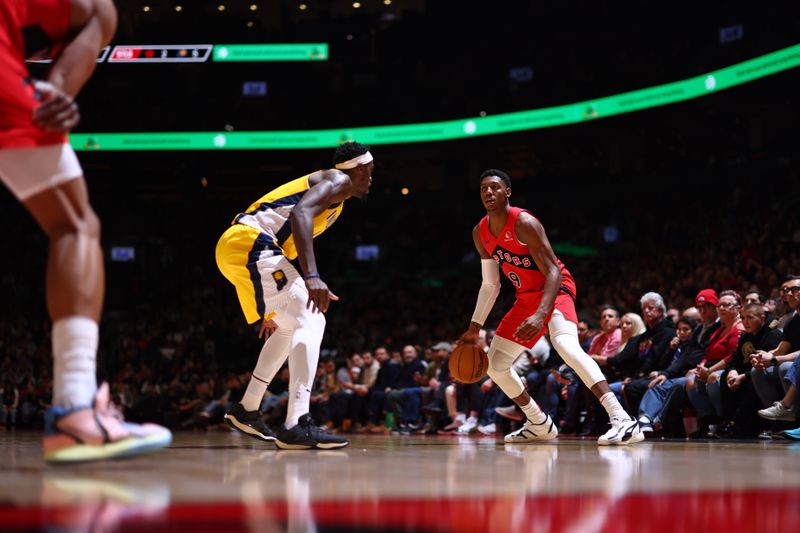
(227, 482)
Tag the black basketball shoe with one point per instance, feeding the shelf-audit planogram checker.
(249, 422)
(305, 435)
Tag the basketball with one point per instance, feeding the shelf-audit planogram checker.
(468, 363)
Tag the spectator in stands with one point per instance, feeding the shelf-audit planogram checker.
(630, 325)
(788, 303)
(232, 392)
(413, 368)
(586, 333)
(771, 307)
(10, 398)
(666, 384)
(754, 297)
(702, 383)
(794, 378)
(674, 314)
(786, 409)
(693, 313)
(610, 336)
(767, 365)
(387, 379)
(739, 399)
(644, 353)
(412, 398)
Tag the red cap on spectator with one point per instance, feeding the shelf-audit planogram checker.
(707, 296)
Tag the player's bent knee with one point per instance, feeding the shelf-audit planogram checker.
(87, 226)
(569, 348)
(508, 381)
(503, 353)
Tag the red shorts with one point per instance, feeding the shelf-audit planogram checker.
(17, 98)
(17, 102)
(526, 304)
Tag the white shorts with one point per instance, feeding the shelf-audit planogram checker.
(29, 171)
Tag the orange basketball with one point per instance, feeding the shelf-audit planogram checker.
(468, 363)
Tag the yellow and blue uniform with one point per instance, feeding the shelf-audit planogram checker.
(252, 254)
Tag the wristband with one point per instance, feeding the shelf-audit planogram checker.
(309, 276)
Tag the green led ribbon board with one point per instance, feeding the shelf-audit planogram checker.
(271, 52)
(587, 110)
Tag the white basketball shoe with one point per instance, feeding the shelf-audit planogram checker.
(531, 432)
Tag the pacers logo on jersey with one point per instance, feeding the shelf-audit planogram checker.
(280, 279)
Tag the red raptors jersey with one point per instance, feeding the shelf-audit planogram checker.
(515, 258)
(28, 29)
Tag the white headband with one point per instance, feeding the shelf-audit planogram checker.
(363, 159)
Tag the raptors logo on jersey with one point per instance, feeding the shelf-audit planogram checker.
(514, 257)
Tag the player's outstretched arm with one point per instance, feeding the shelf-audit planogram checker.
(487, 295)
(333, 187)
(530, 231)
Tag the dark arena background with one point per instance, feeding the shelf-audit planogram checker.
(660, 154)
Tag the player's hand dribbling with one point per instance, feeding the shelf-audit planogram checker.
(470, 336)
(319, 296)
(58, 112)
(529, 328)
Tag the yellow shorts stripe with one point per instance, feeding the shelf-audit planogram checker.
(234, 252)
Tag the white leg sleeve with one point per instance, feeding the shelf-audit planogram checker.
(564, 337)
(502, 353)
(303, 355)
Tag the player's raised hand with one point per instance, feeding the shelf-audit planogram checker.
(319, 296)
(58, 112)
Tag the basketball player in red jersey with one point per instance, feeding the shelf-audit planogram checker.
(513, 240)
(41, 170)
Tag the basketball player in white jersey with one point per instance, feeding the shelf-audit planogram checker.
(254, 255)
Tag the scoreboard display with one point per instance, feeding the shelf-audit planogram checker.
(161, 53)
(201, 53)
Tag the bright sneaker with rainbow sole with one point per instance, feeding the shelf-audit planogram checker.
(97, 433)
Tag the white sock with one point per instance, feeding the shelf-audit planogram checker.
(254, 394)
(533, 413)
(74, 362)
(299, 396)
(270, 360)
(613, 407)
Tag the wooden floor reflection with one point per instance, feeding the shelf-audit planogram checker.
(227, 482)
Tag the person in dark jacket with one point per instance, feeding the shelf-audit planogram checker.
(654, 400)
(645, 353)
(740, 403)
